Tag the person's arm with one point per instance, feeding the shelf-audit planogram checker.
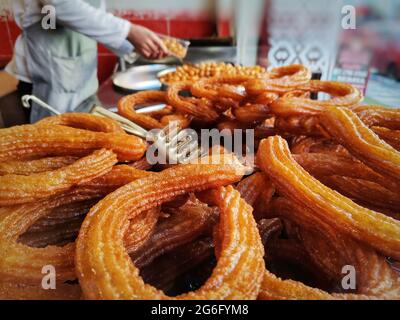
(112, 31)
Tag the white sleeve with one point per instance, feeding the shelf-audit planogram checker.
(94, 23)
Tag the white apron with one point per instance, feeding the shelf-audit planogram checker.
(63, 68)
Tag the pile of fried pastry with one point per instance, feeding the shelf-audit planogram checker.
(209, 69)
(322, 205)
(175, 47)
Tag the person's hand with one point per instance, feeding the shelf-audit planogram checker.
(147, 43)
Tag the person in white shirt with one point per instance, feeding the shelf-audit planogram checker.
(61, 63)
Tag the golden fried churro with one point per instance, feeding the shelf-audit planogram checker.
(27, 141)
(128, 104)
(304, 144)
(345, 127)
(26, 168)
(342, 95)
(84, 121)
(373, 228)
(366, 192)
(198, 108)
(379, 116)
(249, 113)
(323, 164)
(22, 263)
(298, 125)
(217, 87)
(18, 189)
(391, 137)
(235, 216)
(330, 252)
(280, 80)
(327, 206)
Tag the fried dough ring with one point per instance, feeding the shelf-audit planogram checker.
(84, 121)
(280, 80)
(27, 141)
(108, 256)
(345, 127)
(368, 226)
(128, 104)
(23, 264)
(297, 94)
(213, 88)
(254, 108)
(18, 189)
(180, 120)
(201, 110)
(342, 95)
(375, 278)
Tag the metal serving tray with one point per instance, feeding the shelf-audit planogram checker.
(139, 78)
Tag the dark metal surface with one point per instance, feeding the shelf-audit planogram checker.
(199, 54)
(138, 78)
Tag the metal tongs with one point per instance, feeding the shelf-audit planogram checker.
(171, 143)
(26, 99)
(125, 123)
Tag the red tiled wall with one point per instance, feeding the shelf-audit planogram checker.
(106, 63)
(156, 21)
(185, 25)
(224, 27)
(177, 24)
(6, 42)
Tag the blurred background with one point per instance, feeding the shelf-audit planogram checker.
(270, 33)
